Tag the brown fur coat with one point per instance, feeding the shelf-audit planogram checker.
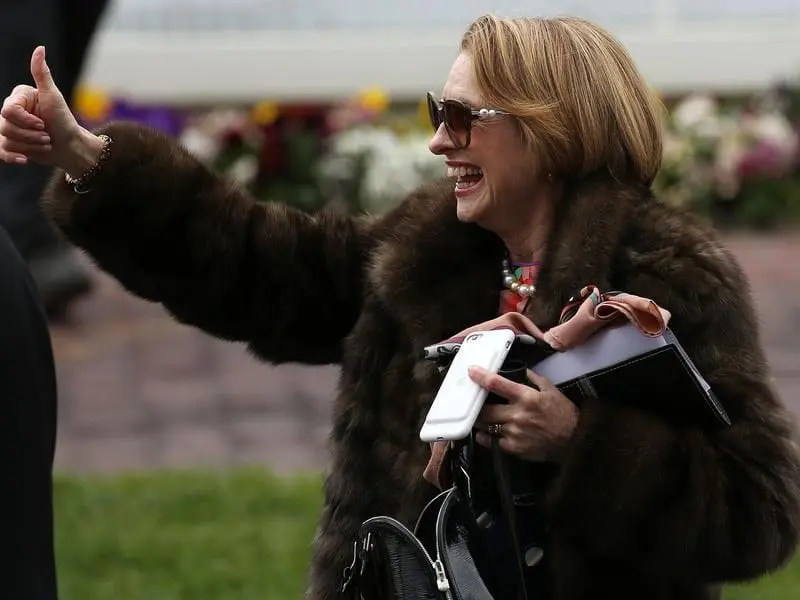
(641, 509)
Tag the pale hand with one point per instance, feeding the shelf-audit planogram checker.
(537, 425)
(36, 124)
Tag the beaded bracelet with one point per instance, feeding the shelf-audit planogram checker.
(79, 183)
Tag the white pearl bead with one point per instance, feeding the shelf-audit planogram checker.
(510, 282)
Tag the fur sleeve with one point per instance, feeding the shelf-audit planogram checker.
(172, 231)
(678, 501)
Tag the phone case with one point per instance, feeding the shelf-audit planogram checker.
(459, 400)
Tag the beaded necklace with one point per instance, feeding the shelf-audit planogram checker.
(519, 279)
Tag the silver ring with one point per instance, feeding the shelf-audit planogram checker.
(495, 429)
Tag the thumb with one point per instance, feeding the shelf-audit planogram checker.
(41, 72)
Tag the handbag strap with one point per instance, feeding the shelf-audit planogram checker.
(461, 480)
(507, 507)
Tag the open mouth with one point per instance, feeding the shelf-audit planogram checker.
(467, 178)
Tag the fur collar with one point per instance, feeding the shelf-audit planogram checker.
(438, 275)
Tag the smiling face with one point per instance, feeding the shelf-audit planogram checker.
(496, 176)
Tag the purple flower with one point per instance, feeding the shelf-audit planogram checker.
(767, 158)
(167, 120)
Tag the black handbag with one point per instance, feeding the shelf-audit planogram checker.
(444, 557)
(441, 559)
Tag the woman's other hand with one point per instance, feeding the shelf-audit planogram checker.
(536, 424)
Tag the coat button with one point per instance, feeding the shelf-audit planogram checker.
(533, 556)
(485, 520)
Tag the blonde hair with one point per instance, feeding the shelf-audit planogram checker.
(578, 96)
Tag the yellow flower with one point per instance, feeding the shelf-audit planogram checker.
(265, 113)
(373, 99)
(92, 104)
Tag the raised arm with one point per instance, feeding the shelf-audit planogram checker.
(172, 231)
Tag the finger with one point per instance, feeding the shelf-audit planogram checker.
(17, 115)
(494, 413)
(509, 432)
(25, 149)
(22, 134)
(12, 158)
(41, 71)
(16, 109)
(497, 384)
(540, 381)
(485, 440)
(24, 95)
(22, 155)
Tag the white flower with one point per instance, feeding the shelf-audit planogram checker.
(215, 122)
(677, 149)
(244, 169)
(395, 164)
(201, 145)
(730, 152)
(697, 114)
(362, 139)
(774, 129)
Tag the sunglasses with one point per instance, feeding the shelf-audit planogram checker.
(457, 117)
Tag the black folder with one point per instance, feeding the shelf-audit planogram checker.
(622, 365)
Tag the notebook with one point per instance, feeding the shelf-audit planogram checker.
(620, 364)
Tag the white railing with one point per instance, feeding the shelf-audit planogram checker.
(244, 50)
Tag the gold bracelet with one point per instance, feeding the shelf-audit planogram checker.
(79, 183)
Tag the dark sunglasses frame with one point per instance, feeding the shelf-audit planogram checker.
(457, 117)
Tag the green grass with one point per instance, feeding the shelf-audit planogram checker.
(783, 585)
(240, 535)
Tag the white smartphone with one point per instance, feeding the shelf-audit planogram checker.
(459, 399)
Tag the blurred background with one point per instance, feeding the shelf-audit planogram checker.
(188, 470)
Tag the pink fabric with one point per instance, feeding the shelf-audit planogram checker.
(515, 321)
(579, 320)
(435, 472)
(598, 310)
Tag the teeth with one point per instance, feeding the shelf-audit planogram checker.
(462, 171)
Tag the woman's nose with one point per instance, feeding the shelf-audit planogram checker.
(440, 142)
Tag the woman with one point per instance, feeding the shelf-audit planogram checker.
(557, 171)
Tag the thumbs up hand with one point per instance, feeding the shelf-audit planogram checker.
(37, 124)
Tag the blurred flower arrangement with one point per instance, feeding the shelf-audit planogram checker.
(736, 162)
(376, 159)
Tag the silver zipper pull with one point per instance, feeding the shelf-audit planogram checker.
(441, 577)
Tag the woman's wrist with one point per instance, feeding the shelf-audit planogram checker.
(84, 152)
